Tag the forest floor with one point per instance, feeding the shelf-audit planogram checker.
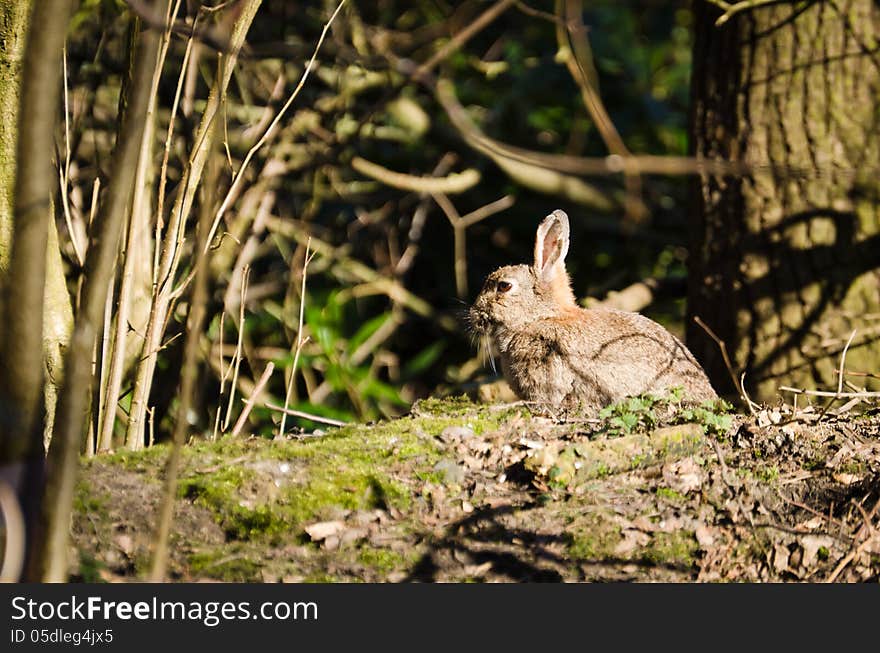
(457, 491)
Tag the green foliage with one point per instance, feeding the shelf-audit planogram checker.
(337, 359)
(714, 416)
(630, 414)
(644, 412)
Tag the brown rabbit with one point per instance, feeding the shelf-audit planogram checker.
(554, 352)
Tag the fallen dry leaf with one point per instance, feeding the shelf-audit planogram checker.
(811, 545)
(684, 476)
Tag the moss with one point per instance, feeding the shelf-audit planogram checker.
(220, 492)
(223, 494)
(814, 464)
(854, 467)
(670, 495)
(383, 561)
(137, 461)
(767, 473)
(438, 478)
(351, 468)
(222, 565)
(452, 409)
(593, 536)
(446, 406)
(85, 502)
(676, 548)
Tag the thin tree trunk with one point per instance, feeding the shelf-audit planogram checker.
(189, 373)
(784, 262)
(135, 282)
(74, 399)
(22, 349)
(176, 226)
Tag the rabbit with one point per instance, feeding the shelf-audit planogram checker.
(555, 353)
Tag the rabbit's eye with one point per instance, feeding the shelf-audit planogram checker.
(504, 286)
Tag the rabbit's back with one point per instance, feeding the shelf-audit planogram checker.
(594, 357)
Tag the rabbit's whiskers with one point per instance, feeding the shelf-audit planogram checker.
(486, 347)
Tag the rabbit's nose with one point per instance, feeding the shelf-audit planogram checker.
(479, 320)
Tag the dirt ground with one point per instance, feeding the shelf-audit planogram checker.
(455, 491)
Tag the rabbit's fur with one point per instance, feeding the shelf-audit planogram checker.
(554, 352)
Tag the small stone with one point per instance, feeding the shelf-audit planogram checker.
(453, 473)
(704, 536)
(125, 543)
(324, 529)
(456, 433)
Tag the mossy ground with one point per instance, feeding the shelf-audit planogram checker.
(463, 492)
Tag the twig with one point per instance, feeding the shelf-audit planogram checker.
(870, 375)
(459, 243)
(166, 153)
(418, 220)
(235, 363)
(173, 240)
(866, 533)
(299, 335)
(462, 37)
(249, 403)
(742, 386)
(454, 183)
(352, 267)
(210, 37)
(64, 174)
(304, 415)
(797, 504)
(73, 401)
(537, 13)
(840, 378)
(488, 210)
(828, 393)
(523, 166)
(247, 159)
(731, 9)
(459, 228)
(724, 477)
(380, 335)
(738, 384)
(186, 392)
(571, 36)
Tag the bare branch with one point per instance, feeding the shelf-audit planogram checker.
(454, 183)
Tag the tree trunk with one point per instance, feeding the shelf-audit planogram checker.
(35, 314)
(57, 310)
(784, 260)
(105, 235)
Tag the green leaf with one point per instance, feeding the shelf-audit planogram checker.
(367, 329)
(424, 359)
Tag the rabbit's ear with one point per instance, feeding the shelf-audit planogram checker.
(551, 245)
